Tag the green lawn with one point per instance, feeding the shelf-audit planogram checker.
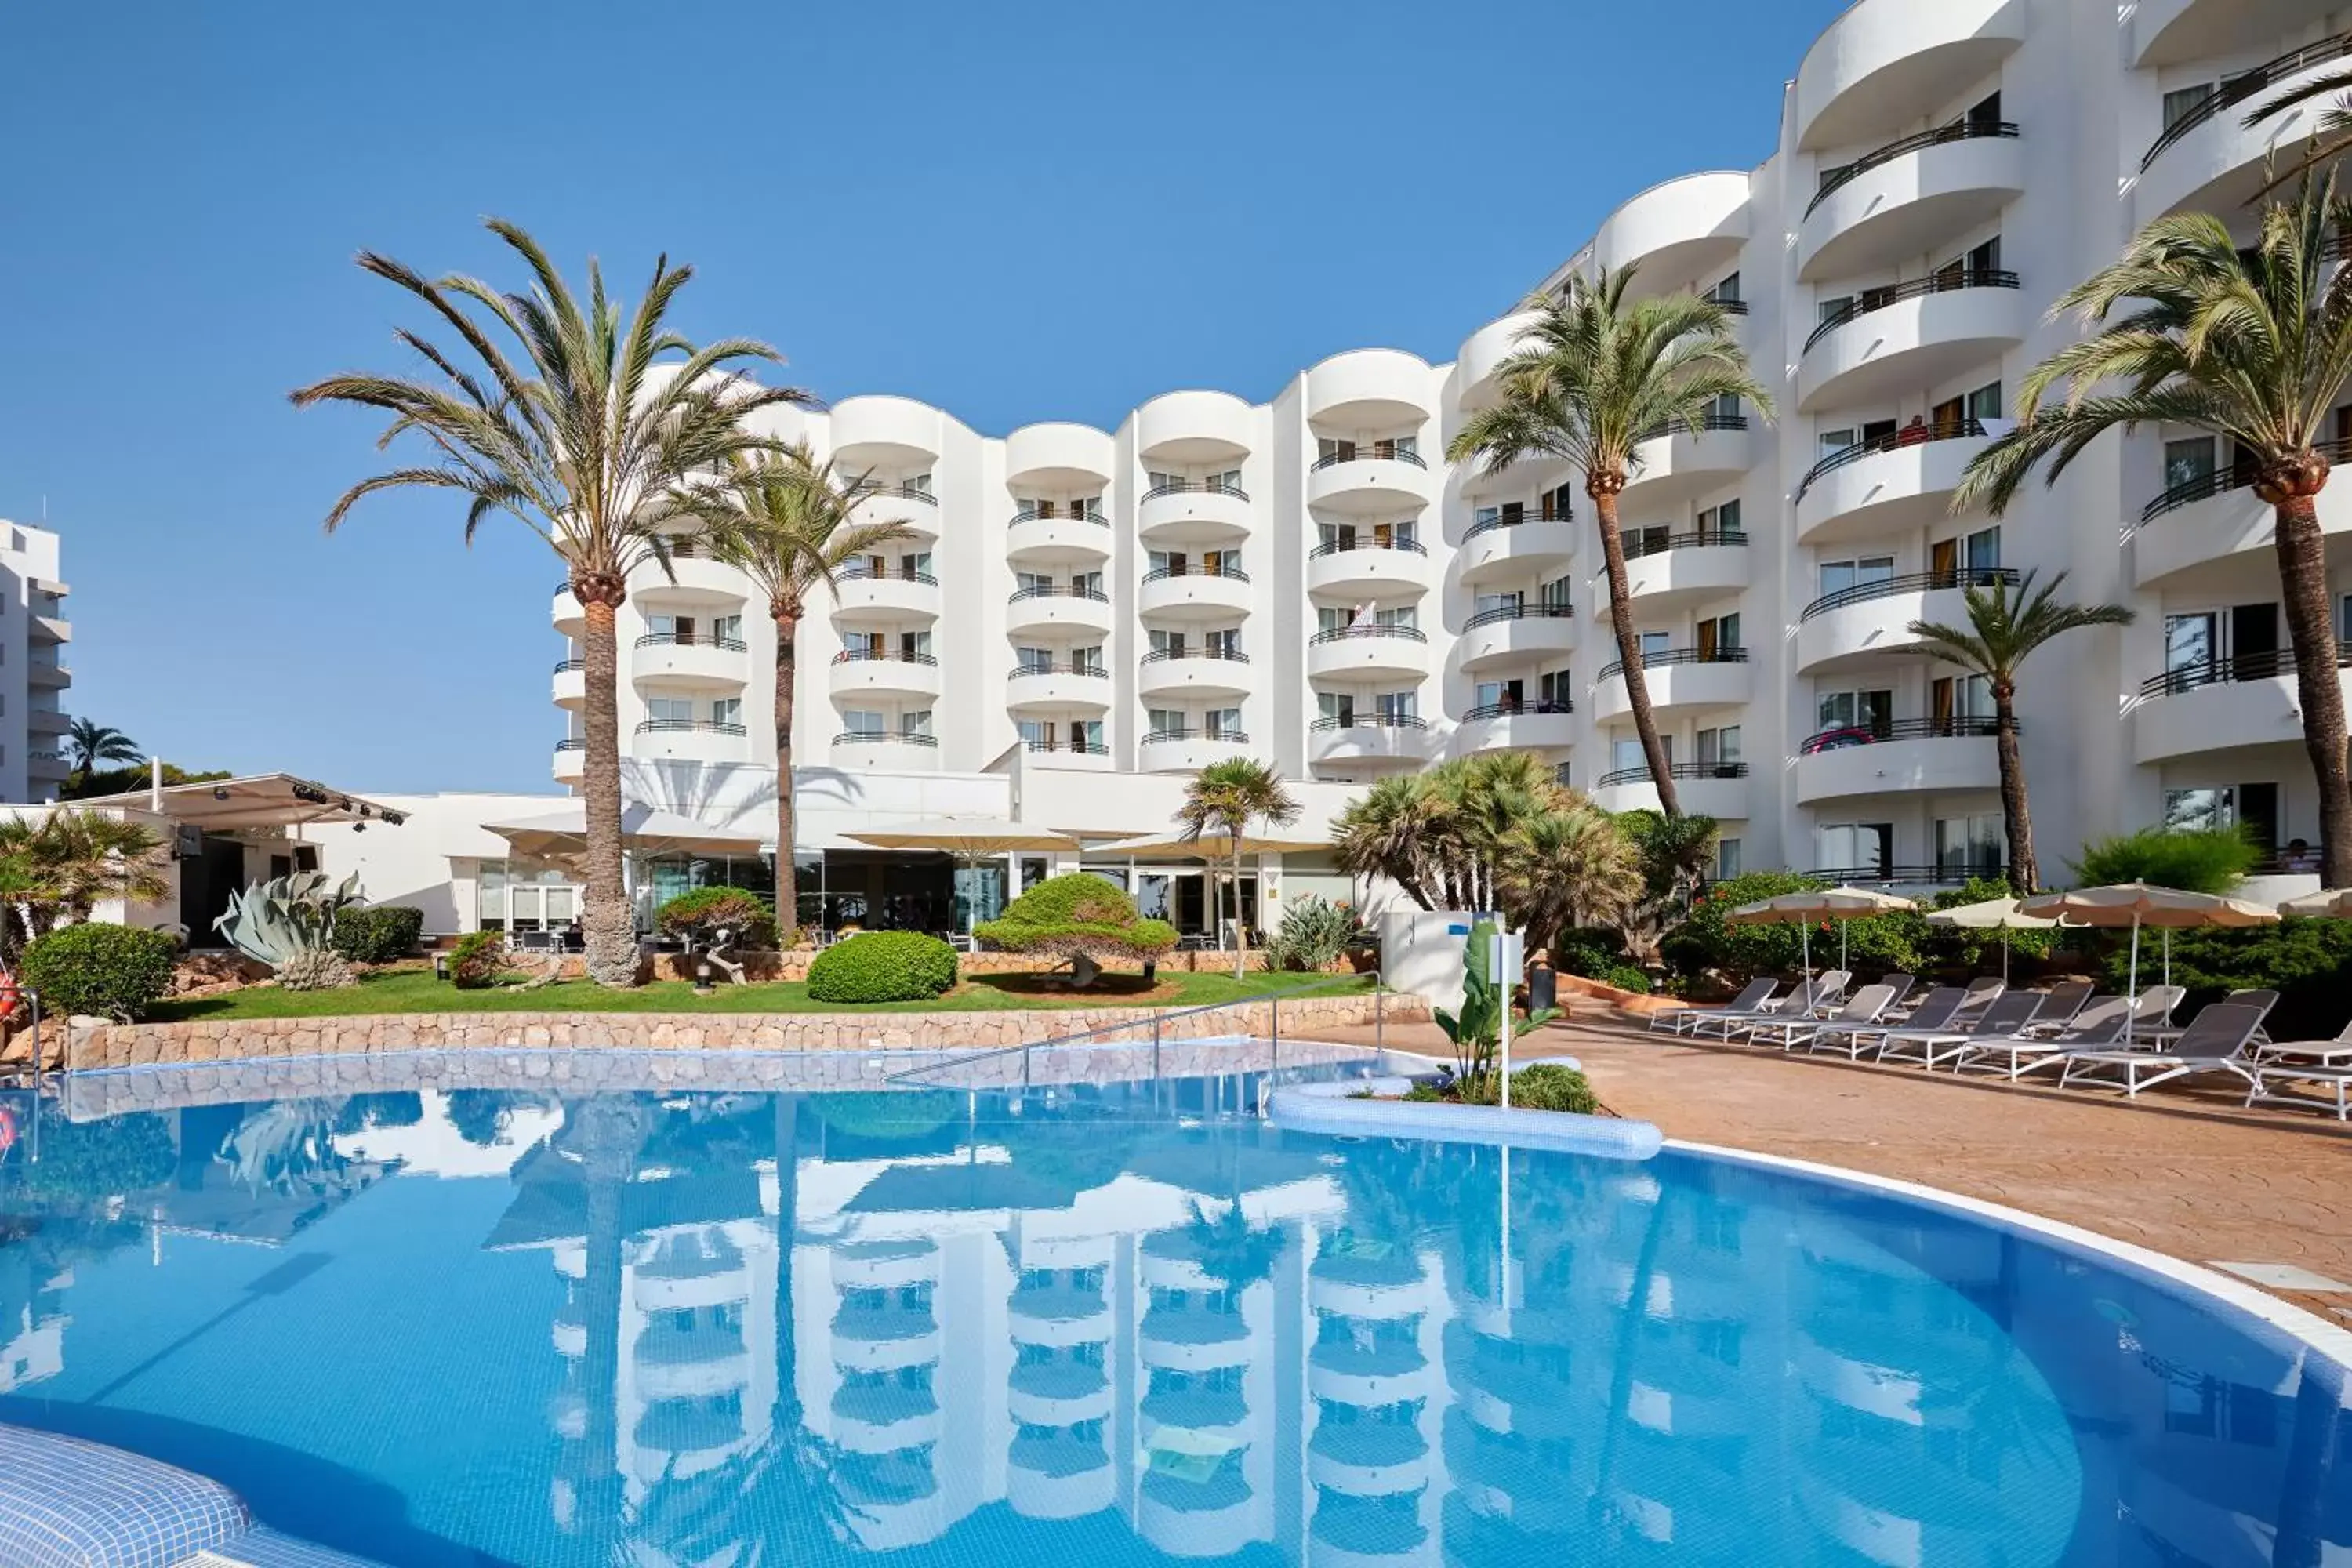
(416, 991)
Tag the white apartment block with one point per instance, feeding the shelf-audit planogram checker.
(32, 675)
(1305, 579)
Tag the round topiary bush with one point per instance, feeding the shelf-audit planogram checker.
(105, 971)
(883, 966)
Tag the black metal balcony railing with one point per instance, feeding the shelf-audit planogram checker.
(1077, 748)
(1642, 775)
(1066, 667)
(693, 639)
(1341, 633)
(1184, 733)
(572, 744)
(883, 655)
(1158, 655)
(688, 726)
(1946, 282)
(2266, 665)
(1062, 514)
(1370, 721)
(884, 738)
(2234, 477)
(1374, 453)
(1694, 426)
(1732, 307)
(1911, 582)
(1839, 737)
(1951, 874)
(1915, 435)
(1639, 545)
(1366, 541)
(1517, 709)
(566, 665)
(1230, 573)
(1194, 488)
(1943, 135)
(1510, 519)
(1488, 617)
(1661, 659)
(2249, 85)
(897, 492)
(860, 573)
(1058, 590)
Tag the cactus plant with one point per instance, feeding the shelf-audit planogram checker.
(271, 921)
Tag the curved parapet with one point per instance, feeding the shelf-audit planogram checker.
(1677, 229)
(1194, 426)
(1057, 456)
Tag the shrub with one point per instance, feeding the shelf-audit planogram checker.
(106, 971)
(478, 961)
(2307, 962)
(883, 966)
(2198, 860)
(700, 916)
(1548, 1085)
(383, 933)
(1314, 934)
(1625, 977)
(316, 969)
(1075, 916)
(1703, 941)
(1590, 952)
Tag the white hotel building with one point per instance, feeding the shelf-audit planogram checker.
(1083, 616)
(32, 675)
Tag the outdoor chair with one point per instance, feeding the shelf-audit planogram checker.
(2323, 1064)
(2214, 1041)
(1865, 1007)
(1681, 1020)
(2095, 1026)
(1935, 1011)
(1984, 992)
(2007, 1014)
(1808, 1002)
(2262, 998)
(2060, 1007)
(1723, 1021)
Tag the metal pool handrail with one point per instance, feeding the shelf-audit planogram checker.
(1271, 998)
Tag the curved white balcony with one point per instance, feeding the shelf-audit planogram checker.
(2220, 706)
(1677, 232)
(1370, 389)
(1041, 1489)
(1484, 350)
(1058, 540)
(1678, 679)
(1372, 480)
(1371, 652)
(1916, 194)
(887, 432)
(1685, 568)
(1058, 456)
(1671, 468)
(1191, 512)
(1057, 609)
(1188, 750)
(1873, 69)
(1367, 740)
(856, 752)
(1888, 485)
(1196, 1530)
(693, 1379)
(853, 675)
(1944, 756)
(885, 1265)
(1702, 789)
(1058, 685)
(2174, 32)
(1067, 756)
(1860, 626)
(1505, 549)
(862, 597)
(1194, 427)
(1364, 569)
(1509, 633)
(2219, 518)
(1914, 335)
(690, 741)
(565, 612)
(692, 580)
(1194, 595)
(1527, 726)
(571, 761)
(917, 511)
(1197, 673)
(570, 686)
(700, 662)
(2211, 160)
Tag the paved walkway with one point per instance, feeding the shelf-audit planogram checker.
(2184, 1170)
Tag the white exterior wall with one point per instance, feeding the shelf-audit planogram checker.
(34, 674)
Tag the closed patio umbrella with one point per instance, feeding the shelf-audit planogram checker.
(971, 839)
(1994, 914)
(2137, 904)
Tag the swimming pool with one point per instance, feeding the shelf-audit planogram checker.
(481, 1317)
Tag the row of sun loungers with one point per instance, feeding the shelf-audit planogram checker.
(2127, 1043)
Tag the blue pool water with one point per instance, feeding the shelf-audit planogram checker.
(501, 1323)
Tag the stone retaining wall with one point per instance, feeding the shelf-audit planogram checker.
(208, 1040)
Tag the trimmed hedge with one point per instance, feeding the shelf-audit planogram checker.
(478, 961)
(883, 966)
(105, 971)
(382, 933)
(704, 912)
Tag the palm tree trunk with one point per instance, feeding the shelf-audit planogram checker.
(1604, 489)
(788, 891)
(2024, 872)
(1241, 927)
(2302, 580)
(606, 921)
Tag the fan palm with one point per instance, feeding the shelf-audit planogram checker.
(2005, 625)
(1558, 868)
(1225, 797)
(784, 520)
(2254, 347)
(1393, 830)
(89, 743)
(57, 868)
(582, 431)
(1594, 376)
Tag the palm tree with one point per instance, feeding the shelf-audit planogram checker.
(1566, 867)
(1596, 376)
(1225, 797)
(56, 870)
(2254, 347)
(2331, 132)
(1393, 830)
(783, 520)
(584, 439)
(2004, 628)
(89, 743)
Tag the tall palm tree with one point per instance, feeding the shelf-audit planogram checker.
(2255, 348)
(1594, 377)
(783, 520)
(2331, 130)
(581, 430)
(89, 743)
(1393, 830)
(1566, 867)
(2005, 625)
(1225, 797)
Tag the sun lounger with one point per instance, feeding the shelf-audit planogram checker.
(2262, 998)
(1936, 1010)
(1865, 1007)
(2215, 1041)
(1827, 991)
(2325, 1065)
(2008, 1013)
(2060, 1005)
(1982, 993)
(2021, 1053)
(1681, 1020)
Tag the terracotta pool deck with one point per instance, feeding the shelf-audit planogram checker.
(2184, 1169)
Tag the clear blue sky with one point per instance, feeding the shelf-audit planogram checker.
(1020, 211)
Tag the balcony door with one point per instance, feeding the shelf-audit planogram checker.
(1865, 848)
(2253, 640)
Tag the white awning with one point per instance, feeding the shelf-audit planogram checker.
(259, 800)
(562, 834)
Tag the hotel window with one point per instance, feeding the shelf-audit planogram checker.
(1726, 859)
(1718, 748)
(1405, 615)
(1869, 711)
(1559, 776)
(2183, 102)
(1086, 735)
(920, 485)
(1158, 481)
(1625, 753)
(1498, 604)
(915, 647)
(726, 711)
(670, 710)
(859, 723)
(1225, 642)
(1719, 637)
(1221, 562)
(1088, 660)
(1492, 695)
(1034, 660)
(1727, 293)
(1969, 844)
(1330, 450)
(1034, 581)
(1332, 619)
(1398, 707)
(1227, 479)
(1954, 697)
(1864, 847)
(1837, 576)
(1168, 643)
(1086, 584)
(2187, 461)
(1655, 644)
(916, 723)
(1169, 564)
(1722, 523)
(1486, 517)
(1163, 721)
(1984, 403)
(1336, 707)
(2199, 809)
(1552, 690)
(1037, 734)
(1558, 593)
(1225, 723)
(1647, 541)
(727, 629)
(1557, 503)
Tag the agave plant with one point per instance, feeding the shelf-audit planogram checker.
(273, 921)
